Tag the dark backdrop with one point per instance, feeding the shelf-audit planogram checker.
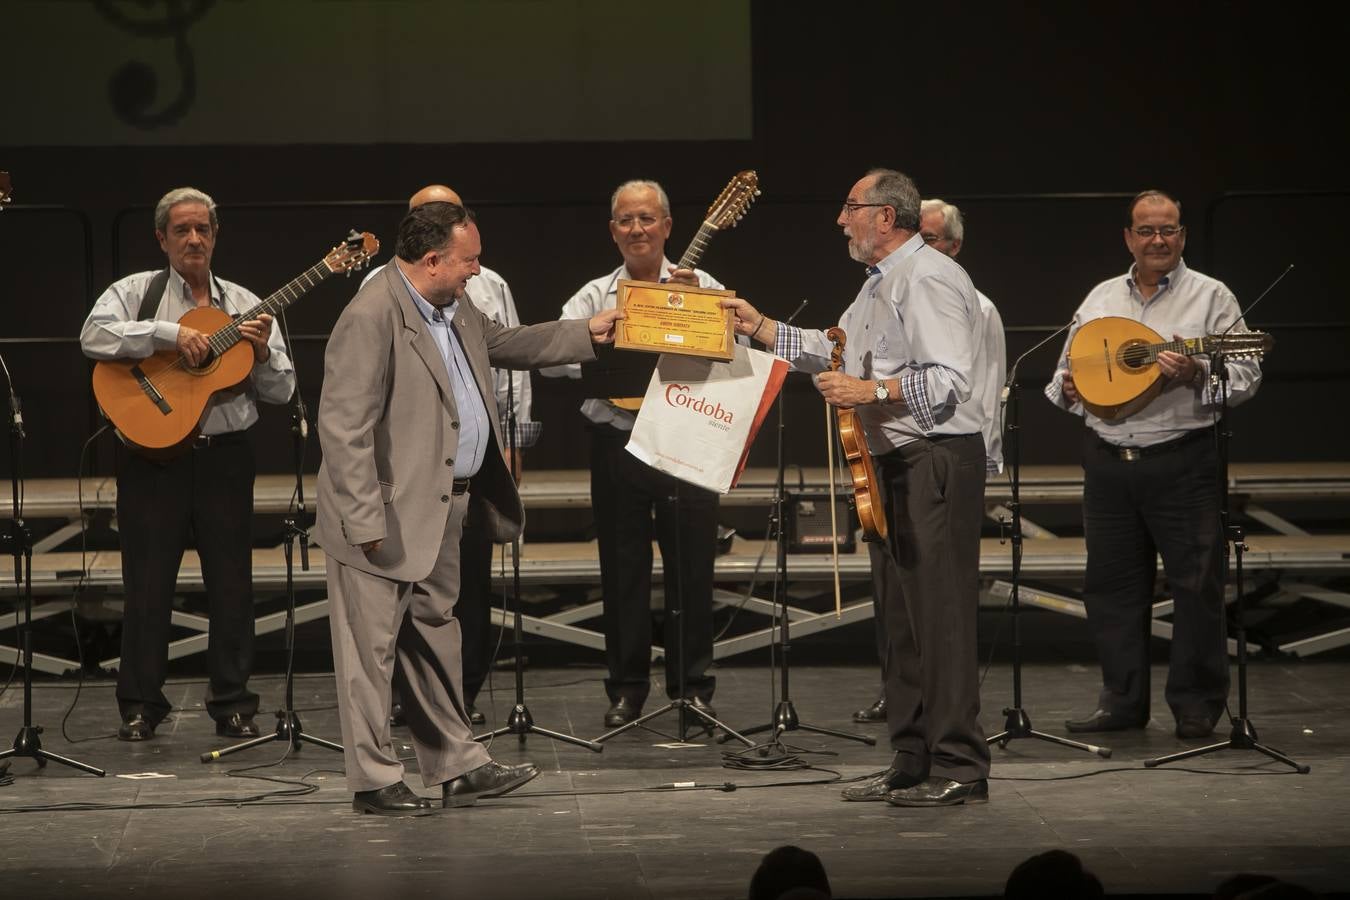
(1034, 119)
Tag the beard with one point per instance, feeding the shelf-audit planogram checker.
(861, 249)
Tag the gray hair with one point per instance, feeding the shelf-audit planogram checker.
(1152, 195)
(183, 195)
(641, 183)
(896, 190)
(953, 226)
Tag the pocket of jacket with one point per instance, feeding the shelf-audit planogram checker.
(387, 492)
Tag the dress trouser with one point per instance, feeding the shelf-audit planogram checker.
(376, 621)
(1166, 503)
(204, 495)
(931, 581)
(625, 493)
(474, 608)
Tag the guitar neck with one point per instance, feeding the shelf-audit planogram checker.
(696, 247)
(293, 290)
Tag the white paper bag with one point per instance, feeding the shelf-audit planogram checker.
(700, 416)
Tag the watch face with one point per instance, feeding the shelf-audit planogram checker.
(883, 393)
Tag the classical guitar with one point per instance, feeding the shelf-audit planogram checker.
(1114, 361)
(156, 403)
(729, 208)
(866, 490)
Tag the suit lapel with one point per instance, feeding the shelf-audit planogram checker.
(419, 338)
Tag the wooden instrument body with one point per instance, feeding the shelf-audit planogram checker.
(186, 390)
(867, 500)
(1110, 384)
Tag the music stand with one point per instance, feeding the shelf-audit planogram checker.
(19, 537)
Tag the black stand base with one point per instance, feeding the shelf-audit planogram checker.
(685, 708)
(28, 744)
(521, 723)
(785, 719)
(1018, 725)
(1242, 737)
(288, 729)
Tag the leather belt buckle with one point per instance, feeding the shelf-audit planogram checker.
(460, 486)
(1130, 454)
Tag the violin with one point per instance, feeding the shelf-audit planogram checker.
(867, 500)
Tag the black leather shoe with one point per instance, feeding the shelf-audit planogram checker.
(1194, 727)
(488, 780)
(395, 800)
(1101, 720)
(872, 714)
(702, 706)
(621, 712)
(396, 717)
(135, 727)
(237, 725)
(940, 792)
(877, 788)
(476, 718)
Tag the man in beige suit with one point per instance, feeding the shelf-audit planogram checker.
(409, 428)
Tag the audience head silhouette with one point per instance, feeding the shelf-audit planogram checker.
(790, 872)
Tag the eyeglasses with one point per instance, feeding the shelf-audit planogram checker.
(930, 238)
(644, 221)
(1147, 232)
(849, 207)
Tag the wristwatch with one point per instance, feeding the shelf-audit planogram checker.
(882, 393)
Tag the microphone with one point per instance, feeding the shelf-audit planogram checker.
(800, 306)
(1012, 372)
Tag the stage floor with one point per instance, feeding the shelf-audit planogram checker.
(599, 825)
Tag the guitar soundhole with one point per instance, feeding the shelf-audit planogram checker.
(1133, 355)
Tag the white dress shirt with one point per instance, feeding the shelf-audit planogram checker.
(113, 331)
(1189, 304)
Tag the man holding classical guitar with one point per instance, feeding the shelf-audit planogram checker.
(626, 493)
(910, 375)
(1150, 472)
(205, 490)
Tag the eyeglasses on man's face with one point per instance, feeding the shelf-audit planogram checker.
(849, 206)
(1148, 232)
(644, 221)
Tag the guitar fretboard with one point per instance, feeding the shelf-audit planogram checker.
(297, 287)
(696, 247)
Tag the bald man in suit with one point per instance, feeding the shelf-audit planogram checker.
(409, 429)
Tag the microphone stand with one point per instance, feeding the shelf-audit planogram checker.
(1243, 734)
(785, 716)
(19, 537)
(520, 722)
(1018, 723)
(288, 723)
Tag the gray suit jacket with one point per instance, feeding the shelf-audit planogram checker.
(387, 426)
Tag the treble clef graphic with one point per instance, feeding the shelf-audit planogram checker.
(132, 89)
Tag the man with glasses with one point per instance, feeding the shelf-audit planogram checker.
(626, 493)
(1151, 487)
(914, 333)
(943, 228)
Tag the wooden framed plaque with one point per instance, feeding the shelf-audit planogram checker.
(675, 318)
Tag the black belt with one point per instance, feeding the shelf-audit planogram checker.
(202, 441)
(1133, 454)
(461, 486)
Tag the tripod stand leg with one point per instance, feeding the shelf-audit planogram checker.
(213, 755)
(715, 724)
(860, 738)
(593, 746)
(44, 755)
(319, 742)
(1280, 757)
(1187, 754)
(27, 744)
(1103, 752)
